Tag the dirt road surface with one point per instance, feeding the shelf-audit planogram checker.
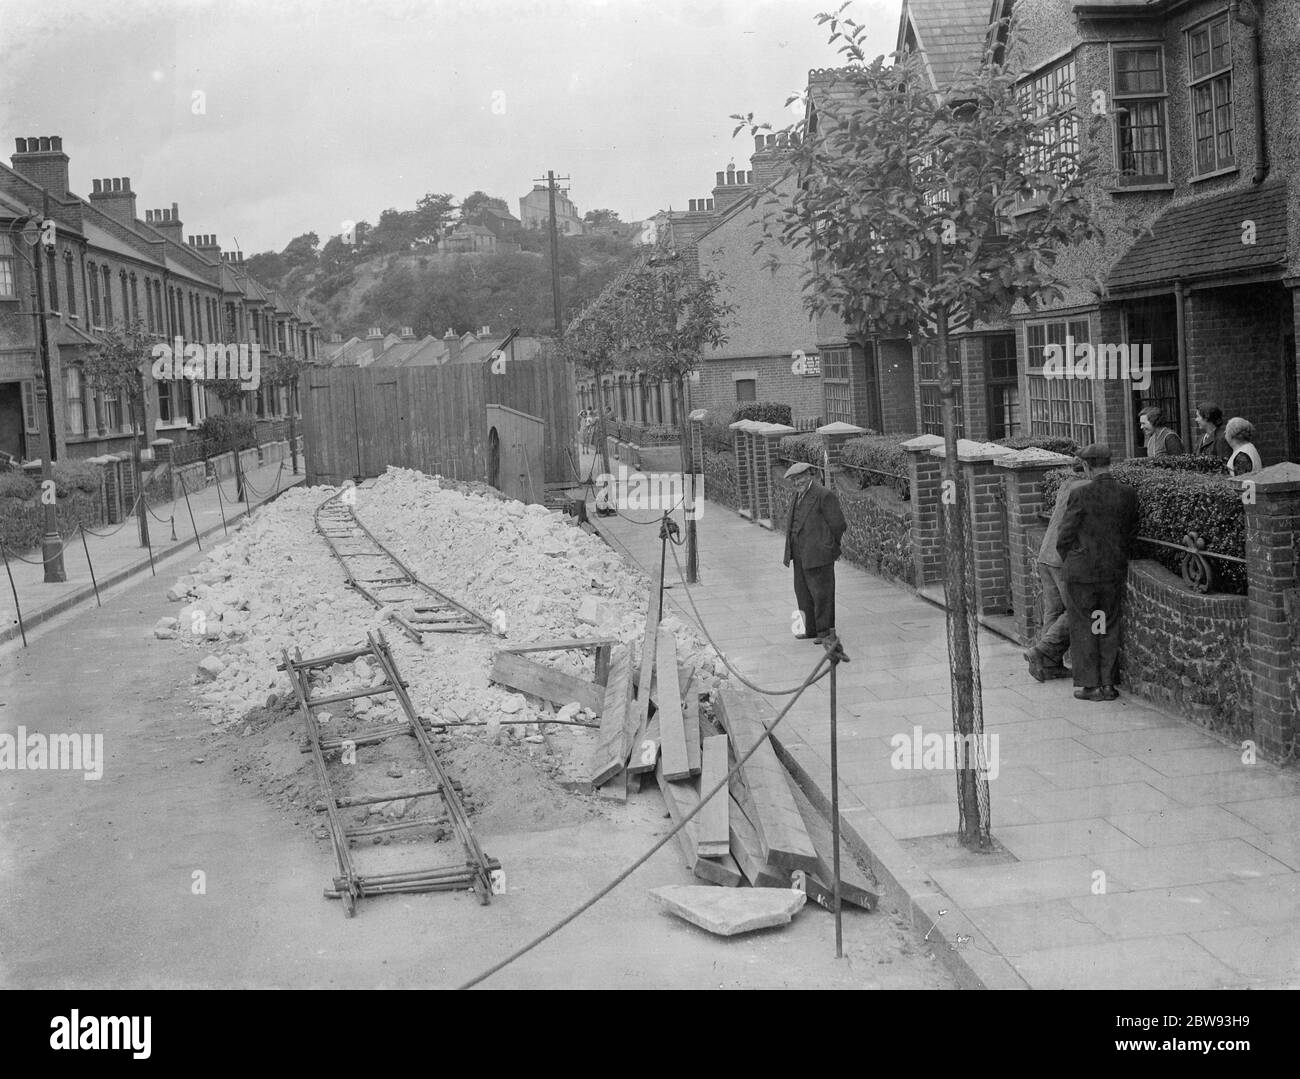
(98, 879)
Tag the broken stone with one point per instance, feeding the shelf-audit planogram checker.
(729, 911)
(512, 704)
(210, 667)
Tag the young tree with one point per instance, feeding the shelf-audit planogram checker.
(903, 212)
(477, 201)
(600, 218)
(119, 366)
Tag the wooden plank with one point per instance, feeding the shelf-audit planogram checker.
(748, 851)
(856, 887)
(574, 645)
(668, 701)
(528, 676)
(645, 754)
(611, 748)
(681, 798)
(779, 821)
(711, 834)
(602, 663)
(639, 715)
(691, 728)
(615, 788)
(745, 801)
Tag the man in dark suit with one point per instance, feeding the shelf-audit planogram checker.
(1096, 535)
(812, 541)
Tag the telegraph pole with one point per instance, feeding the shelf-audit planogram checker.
(51, 543)
(550, 179)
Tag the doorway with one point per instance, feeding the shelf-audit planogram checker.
(12, 439)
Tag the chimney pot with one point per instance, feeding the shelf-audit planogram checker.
(126, 184)
(56, 143)
(20, 145)
(117, 183)
(722, 179)
(758, 143)
(691, 205)
(45, 142)
(98, 184)
(731, 176)
(176, 213)
(771, 141)
(32, 143)
(710, 204)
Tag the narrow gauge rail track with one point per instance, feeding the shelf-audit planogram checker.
(382, 578)
(476, 870)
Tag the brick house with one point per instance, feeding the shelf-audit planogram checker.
(108, 267)
(535, 211)
(1197, 140)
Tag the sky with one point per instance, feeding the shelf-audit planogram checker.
(265, 119)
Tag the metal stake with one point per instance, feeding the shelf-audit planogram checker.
(17, 605)
(86, 546)
(186, 491)
(835, 820)
(221, 507)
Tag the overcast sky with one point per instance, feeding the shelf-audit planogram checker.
(319, 111)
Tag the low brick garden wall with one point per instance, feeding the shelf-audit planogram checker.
(879, 536)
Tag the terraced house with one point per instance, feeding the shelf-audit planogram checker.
(1190, 106)
(108, 267)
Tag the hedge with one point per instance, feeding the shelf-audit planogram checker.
(1066, 446)
(233, 432)
(1184, 462)
(764, 412)
(22, 521)
(1170, 505)
(804, 447)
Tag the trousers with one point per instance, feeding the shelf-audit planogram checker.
(1054, 636)
(1094, 612)
(814, 591)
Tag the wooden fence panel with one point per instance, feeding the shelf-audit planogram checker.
(358, 421)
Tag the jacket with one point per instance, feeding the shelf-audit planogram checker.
(1163, 441)
(1047, 552)
(1097, 530)
(814, 528)
(1215, 444)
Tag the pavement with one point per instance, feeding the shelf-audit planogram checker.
(1132, 848)
(116, 554)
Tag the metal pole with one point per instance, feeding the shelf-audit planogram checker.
(86, 547)
(221, 507)
(555, 256)
(14, 587)
(51, 543)
(663, 562)
(293, 427)
(152, 571)
(186, 491)
(835, 819)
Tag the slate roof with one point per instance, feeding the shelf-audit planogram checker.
(951, 34)
(1203, 239)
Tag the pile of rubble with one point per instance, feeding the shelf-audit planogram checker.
(274, 586)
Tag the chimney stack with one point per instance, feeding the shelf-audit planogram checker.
(168, 222)
(732, 186)
(42, 160)
(453, 346)
(407, 334)
(114, 198)
(772, 155)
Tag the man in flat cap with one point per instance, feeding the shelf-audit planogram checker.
(1096, 535)
(812, 542)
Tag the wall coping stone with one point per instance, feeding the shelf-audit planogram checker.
(1033, 457)
(922, 443)
(744, 425)
(1281, 477)
(773, 430)
(840, 428)
(163, 442)
(698, 415)
(968, 451)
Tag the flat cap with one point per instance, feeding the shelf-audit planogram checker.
(797, 468)
(1095, 454)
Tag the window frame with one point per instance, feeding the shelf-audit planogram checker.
(1071, 396)
(74, 399)
(1120, 102)
(8, 268)
(1212, 79)
(1035, 97)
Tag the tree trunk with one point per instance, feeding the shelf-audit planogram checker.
(963, 647)
(141, 510)
(293, 427)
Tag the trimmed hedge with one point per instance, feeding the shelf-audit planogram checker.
(1066, 446)
(22, 521)
(804, 447)
(883, 453)
(233, 432)
(1170, 505)
(1185, 462)
(764, 412)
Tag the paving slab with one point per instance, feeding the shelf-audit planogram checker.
(1090, 797)
(730, 911)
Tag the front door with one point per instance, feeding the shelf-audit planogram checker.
(12, 439)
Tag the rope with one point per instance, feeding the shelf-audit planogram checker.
(39, 561)
(707, 636)
(126, 520)
(671, 834)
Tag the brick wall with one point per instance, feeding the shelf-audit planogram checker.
(1235, 341)
(716, 389)
(1187, 651)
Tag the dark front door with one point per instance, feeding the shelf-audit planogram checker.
(12, 440)
(1291, 405)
